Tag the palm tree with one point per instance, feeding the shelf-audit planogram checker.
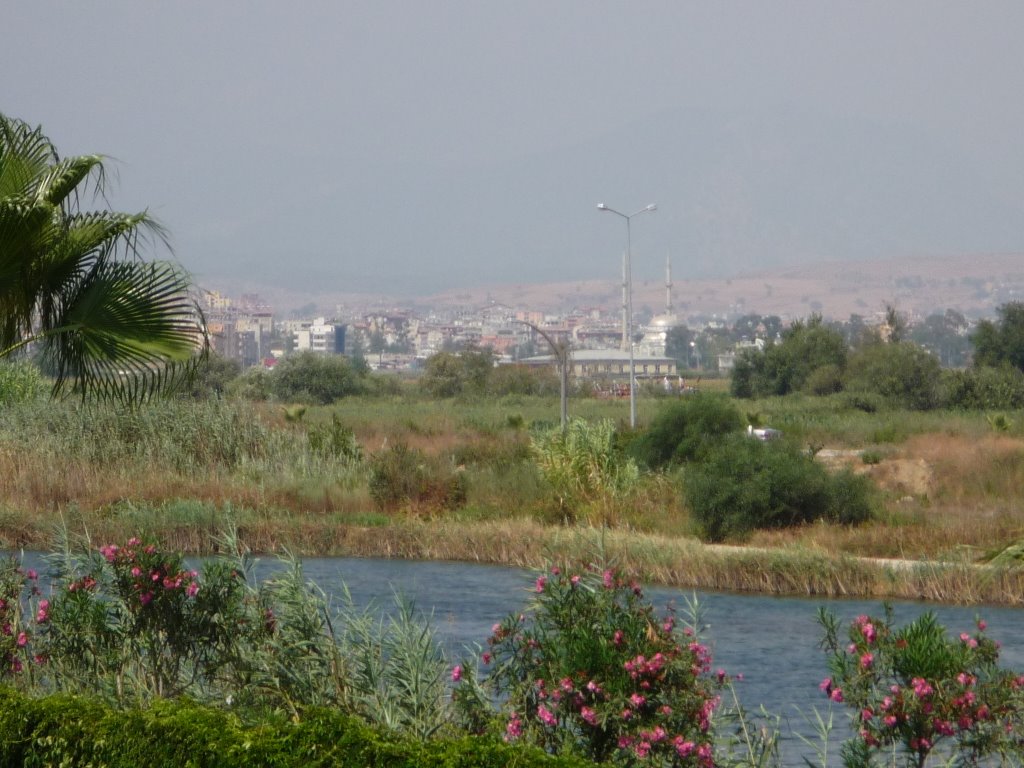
(74, 286)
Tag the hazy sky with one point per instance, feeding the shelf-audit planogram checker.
(416, 146)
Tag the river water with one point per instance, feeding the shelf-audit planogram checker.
(771, 641)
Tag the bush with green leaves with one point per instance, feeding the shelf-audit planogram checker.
(902, 373)
(312, 377)
(584, 466)
(334, 441)
(746, 484)
(983, 388)
(789, 365)
(81, 731)
(917, 694)
(590, 669)
(467, 372)
(20, 381)
(401, 476)
(685, 430)
(133, 624)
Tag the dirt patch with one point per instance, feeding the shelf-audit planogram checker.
(899, 475)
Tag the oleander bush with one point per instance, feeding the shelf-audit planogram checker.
(917, 695)
(589, 669)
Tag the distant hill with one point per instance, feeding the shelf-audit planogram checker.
(974, 284)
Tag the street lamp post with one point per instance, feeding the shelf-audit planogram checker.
(561, 352)
(629, 301)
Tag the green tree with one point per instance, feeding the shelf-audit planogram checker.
(314, 377)
(1003, 340)
(945, 336)
(787, 366)
(901, 372)
(447, 374)
(677, 344)
(107, 324)
(686, 430)
(214, 375)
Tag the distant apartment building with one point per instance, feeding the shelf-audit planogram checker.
(321, 336)
(233, 343)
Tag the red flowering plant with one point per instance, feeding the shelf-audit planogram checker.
(590, 669)
(133, 619)
(920, 694)
(15, 632)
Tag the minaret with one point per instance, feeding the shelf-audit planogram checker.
(668, 285)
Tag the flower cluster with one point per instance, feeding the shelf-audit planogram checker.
(916, 690)
(142, 574)
(589, 668)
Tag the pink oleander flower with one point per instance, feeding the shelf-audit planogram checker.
(514, 728)
(866, 660)
(43, 613)
(968, 640)
(192, 589)
(593, 687)
(486, 657)
(545, 716)
(136, 571)
(837, 695)
(608, 579)
(574, 580)
(982, 625)
(683, 748)
(637, 700)
(921, 687)
(720, 674)
(22, 640)
(589, 715)
(641, 748)
(456, 673)
(31, 574)
(145, 598)
(16, 664)
(134, 541)
(617, 637)
(541, 582)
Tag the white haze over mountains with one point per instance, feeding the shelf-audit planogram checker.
(411, 148)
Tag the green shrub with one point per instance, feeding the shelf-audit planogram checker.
(747, 484)
(72, 731)
(20, 381)
(334, 441)
(686, 430)
(583, 465)
(902, 373)
(312, 377)
(984, 388)
(401, 476)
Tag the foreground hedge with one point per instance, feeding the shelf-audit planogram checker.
(73, 730)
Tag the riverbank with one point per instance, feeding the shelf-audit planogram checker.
(654, 559)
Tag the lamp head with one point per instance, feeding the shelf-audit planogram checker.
(602, 207)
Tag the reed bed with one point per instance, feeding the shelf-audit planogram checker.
(184, 471)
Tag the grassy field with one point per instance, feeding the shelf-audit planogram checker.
(950, 489)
